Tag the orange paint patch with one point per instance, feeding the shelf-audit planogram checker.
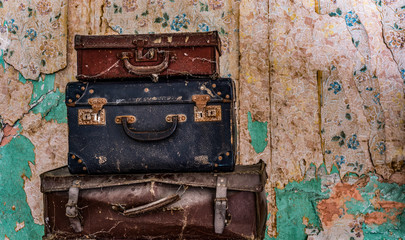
(391, 211)
(8, 133)
(334, 207)
(375, 218)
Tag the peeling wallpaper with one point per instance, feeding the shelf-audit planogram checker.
(320, 98)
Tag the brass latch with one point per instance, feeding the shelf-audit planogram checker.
(200, 101)
(97, 104)
(204, 113)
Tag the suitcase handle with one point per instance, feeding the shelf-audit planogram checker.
(147, 207)
(150, 136)
(144, 70)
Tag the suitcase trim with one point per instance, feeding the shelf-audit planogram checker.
(160, 40)
(61, 180)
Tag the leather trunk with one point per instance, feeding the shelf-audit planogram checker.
(155, 206)
(135, 127)
(158, 55)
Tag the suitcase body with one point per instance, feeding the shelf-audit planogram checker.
(133, 127)
(135, 206)
(129, 56)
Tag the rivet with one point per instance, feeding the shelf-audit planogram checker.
(79, 161)
(70, 100)
(214, 85)
(84, 169)
(82, 88)
(220, 158)
(219, 93)
(146, 90)
(227, 153)
(216, 165)
(77, 95)
(91, 91)
(227, 96)
(73, 156)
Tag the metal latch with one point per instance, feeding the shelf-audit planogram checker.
(95, 115)
(97, 104)
(200, 101)
(204, 113)
(150, 55)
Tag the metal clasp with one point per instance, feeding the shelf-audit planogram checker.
(130, 119)
(97, 104)
(150, 55)
(200, 101)
(204, 113)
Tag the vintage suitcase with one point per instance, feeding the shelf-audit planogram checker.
(155, 206)
(123, 127)
(129, 56)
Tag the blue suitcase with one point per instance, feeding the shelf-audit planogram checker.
(140, 127)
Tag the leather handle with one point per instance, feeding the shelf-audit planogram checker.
(148, 207)
(144, 70)
(150, 136)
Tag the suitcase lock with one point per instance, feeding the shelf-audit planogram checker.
(204, 112)
(95, 115)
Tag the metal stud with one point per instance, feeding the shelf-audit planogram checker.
(91, 91)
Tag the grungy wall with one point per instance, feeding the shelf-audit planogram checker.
(320, 91)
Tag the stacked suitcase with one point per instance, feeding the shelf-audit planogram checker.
(152, 142)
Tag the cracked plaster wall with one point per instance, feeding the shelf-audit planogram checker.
(320, 88)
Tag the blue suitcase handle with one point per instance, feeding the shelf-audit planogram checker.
(150, 136)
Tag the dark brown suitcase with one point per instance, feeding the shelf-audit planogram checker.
(156, 206)
(157, 55)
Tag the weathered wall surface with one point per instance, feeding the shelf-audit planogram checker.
(320, 87)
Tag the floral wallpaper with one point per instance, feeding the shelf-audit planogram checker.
(163, 16)
(33, 35)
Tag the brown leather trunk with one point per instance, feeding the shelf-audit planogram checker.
(155, 206)
(158, 55)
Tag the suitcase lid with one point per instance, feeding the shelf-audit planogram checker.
(250, 178)
(137, 93)
(160, 40)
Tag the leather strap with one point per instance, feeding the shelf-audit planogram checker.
(71, 207)
(221, 205)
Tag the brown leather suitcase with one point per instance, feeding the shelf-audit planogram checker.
(156, 206)
(157, 55)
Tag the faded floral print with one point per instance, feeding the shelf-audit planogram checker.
(165, 16)
(39, 26)
(216, 4)
(130, 5)
(44, 7)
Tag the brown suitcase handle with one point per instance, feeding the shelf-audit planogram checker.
(144, 70)
(147, 207)
(150, 136)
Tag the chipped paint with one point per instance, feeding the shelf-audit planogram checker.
(382, 205)
(258, 134)
(44, 100)
(292, 217)
(15, 215)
